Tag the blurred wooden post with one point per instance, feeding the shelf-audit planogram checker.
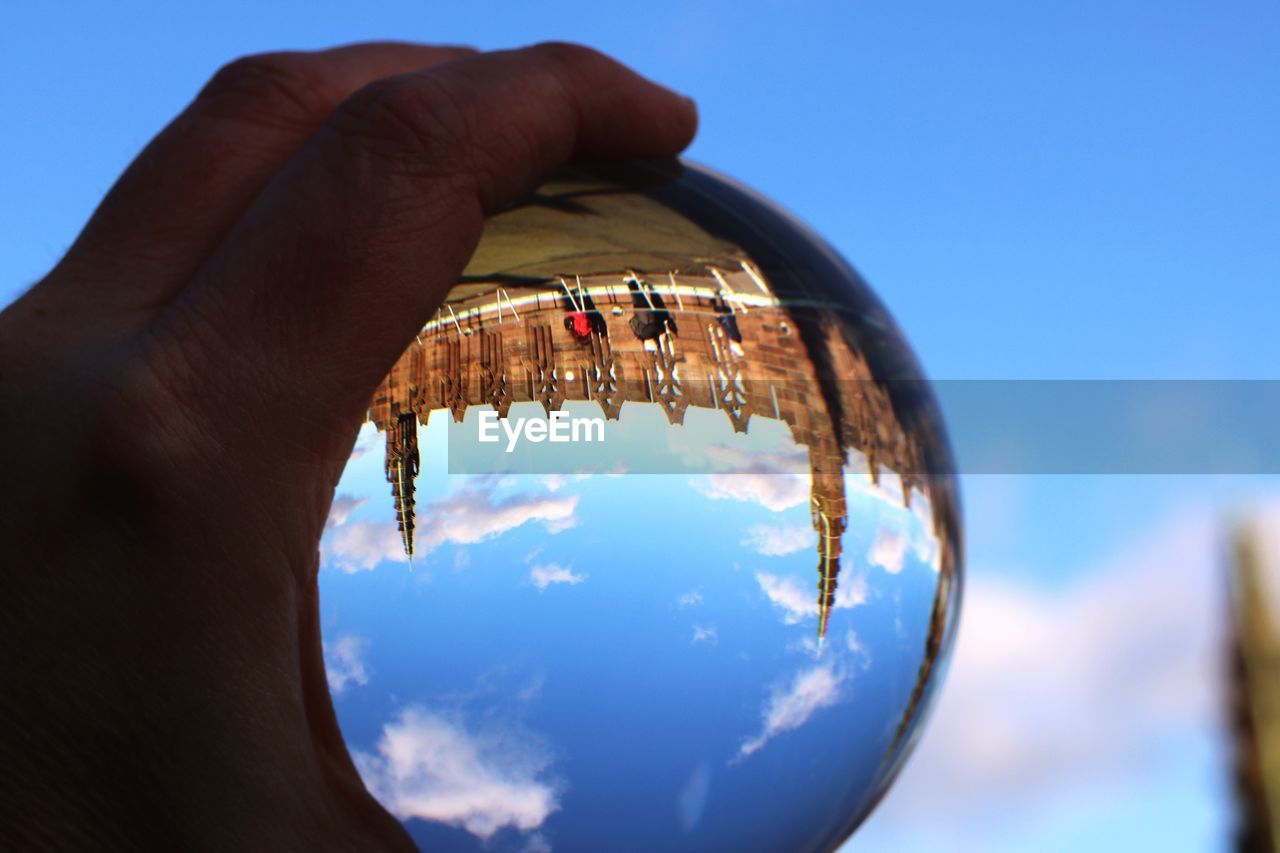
(1255, 693)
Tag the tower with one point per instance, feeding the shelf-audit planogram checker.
(830, 518)
(402, 469)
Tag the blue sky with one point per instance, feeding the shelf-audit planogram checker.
(1048, 190)
(572, 658)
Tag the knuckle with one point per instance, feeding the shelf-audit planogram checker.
(573, 69)
(141, 444)
(417, 128)
(270, 88)
(153, 468)
(164, 391)
(571, 57)
(421, 120)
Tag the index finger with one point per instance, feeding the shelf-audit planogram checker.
(337, 264)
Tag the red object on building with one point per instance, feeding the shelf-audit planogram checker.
(580, 324)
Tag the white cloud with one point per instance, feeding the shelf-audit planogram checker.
(793, 461)
(808, 646)
(707, 634)
(343, 506)
(777, 540)
(799, 601)
(858, 480)
(891, 545)
(851, 592)
(344, 662)
(532, 689)
(888, 550)
(536, 843)
(430, 766)
(692, 799)
(690, 599)
(474, 514)
(776, 481)
(791, 707)
(471, 514)
(796, 600)
(1088, 684)
(361, 545)
(928, 550)
(775, 492)
(544, 576)
(859, 652)
(366, 440)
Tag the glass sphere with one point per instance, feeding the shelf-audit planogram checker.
(650, 541)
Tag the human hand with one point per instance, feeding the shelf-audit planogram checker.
(180, 394)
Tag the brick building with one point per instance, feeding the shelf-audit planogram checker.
(716, 340)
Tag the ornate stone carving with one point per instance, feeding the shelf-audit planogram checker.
(495, 385)
(540, 363)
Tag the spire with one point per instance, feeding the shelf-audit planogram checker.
(402, 468)
(830, 518)
(829, 525)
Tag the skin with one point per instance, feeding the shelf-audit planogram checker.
(180, 395)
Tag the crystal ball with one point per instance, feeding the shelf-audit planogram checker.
(650, 541)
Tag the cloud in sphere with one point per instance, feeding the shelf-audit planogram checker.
(689, 599)
(799, 601)
(706, 634)
(544, 576)
(778, 540)
(357, 546)
(774, 492)
(432, 766)
(474, 513)
(792, 706)
(889, 550)
(776, 481)
(344, 663)
(343, 506)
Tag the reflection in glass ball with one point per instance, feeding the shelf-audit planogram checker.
(649, 542)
